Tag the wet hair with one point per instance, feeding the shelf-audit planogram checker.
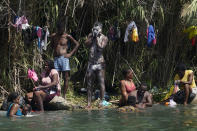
(181, 67)
(50, 64)
(125, 72)
(98, 24)
(131, 100)
(12, 96)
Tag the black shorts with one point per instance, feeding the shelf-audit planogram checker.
(179, 97)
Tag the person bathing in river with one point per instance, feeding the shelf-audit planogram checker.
(48, 89)
(96, 41)
(185, 80)
(59, 42)
(14, 108)
(127, 86)
(143, 97)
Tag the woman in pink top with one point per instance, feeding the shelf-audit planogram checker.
(127, 86)
(49, 87)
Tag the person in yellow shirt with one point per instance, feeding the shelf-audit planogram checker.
(185, 80)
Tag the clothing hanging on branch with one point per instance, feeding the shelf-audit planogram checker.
(192, 30)
(151, 36)
(131, 32)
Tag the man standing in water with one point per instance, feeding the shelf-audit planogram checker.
(96, 41)
(60, 45)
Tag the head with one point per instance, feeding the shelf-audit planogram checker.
(131, 100)
(143, 88)
(60, 27)
(14, 97)
(26, 109)
(48, 65)
(128, 74)
(181, 69)
(97, 29)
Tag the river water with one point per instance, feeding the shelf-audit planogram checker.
(158, 117)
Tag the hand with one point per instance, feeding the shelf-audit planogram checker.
(36, 89)
(177, 82)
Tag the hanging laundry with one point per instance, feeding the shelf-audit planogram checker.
(114, 33)
(151, 36)
(21, 23)
(193, 41)
(134, 35)
(131, 28)
(44, 41)
(192, 30)
(39, 34)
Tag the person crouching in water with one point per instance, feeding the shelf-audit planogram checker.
(143, 97)
(14, 108)
(185, 80)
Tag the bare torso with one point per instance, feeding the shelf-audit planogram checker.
(144, 99)
(59, 43)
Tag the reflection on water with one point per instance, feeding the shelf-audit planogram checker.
(155, 118)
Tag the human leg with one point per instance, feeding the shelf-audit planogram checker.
(90, 78)
(187, 90)
(66, 78)
(39, 97)
(101, 80)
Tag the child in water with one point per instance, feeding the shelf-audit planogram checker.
(14, 108)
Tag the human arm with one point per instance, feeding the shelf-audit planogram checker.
(74, 49)
(148, 99)
(13, 110)
(102, 44)
(123, 93)
(189, 80)
(53, 83)
(88, 41)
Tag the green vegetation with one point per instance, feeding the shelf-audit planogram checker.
(153, 65)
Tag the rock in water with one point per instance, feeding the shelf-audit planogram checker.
(59, 103)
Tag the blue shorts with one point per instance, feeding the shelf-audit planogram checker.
(61, 63)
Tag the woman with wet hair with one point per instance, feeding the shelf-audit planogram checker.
(14, 107)
(127, 86)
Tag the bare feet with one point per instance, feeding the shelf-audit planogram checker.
(185, 103)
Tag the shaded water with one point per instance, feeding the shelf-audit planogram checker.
(155, 118)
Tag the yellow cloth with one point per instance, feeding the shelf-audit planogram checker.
(185, 78)
(169, 94)
(134, 35)
(192, 30)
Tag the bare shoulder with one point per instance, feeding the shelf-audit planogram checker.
(147, 93)
(122, 81)
(104, 37)
(15, 106)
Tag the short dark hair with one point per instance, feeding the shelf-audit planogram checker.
(12, 96)
(131, 100)
(125, 72)
(50, 64)
(181, 67)
(60, 24)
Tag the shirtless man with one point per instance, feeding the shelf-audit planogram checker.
(96, 41)
(143, 97)
(61, 61)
